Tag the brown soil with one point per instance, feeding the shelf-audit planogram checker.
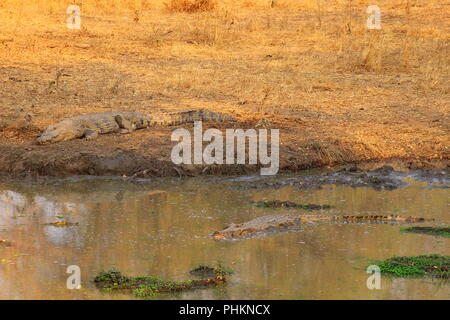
(338, 92)
(146, 153)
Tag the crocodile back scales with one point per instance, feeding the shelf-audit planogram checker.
(283, 221)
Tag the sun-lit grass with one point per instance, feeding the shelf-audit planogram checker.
(312, 63)
(190, 6)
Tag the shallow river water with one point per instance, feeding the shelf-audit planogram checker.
(161, 227)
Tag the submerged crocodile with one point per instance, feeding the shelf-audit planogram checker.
(89, 126)
(283, 221)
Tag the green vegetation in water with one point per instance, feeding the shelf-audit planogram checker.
(209, 271)
(414, 266)
(61, 224)
(434, 231)
(147, 286)
(289, 204)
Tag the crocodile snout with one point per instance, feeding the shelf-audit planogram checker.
(218, 236)
(46, 137)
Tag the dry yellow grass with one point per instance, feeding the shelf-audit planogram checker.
(190, 6)
(311, 68)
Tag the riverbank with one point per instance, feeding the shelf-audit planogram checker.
(338, 92)
(146, 153)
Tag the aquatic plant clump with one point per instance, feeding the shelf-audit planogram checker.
(147, 286)
(415, 266)
(207, 271)
(434, 231)
(289, 204)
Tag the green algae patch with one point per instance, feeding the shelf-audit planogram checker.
(433, 231)
(148, 286)
(210, 271)
(417, 266)
(288, 204)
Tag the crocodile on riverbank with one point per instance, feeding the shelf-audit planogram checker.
(89, 126)
(283, 221)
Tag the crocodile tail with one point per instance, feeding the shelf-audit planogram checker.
(180, 117)
(381, 218)
(213, 116)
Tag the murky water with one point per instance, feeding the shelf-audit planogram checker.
(161, 228)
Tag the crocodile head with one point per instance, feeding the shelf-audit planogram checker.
(58, 132)
(233, 231)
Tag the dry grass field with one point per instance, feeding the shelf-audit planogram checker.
(337, 91)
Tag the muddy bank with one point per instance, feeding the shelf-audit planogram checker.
(114, 157)
(432, 265)
(330, 109)
(147, 153)
(381, 178)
